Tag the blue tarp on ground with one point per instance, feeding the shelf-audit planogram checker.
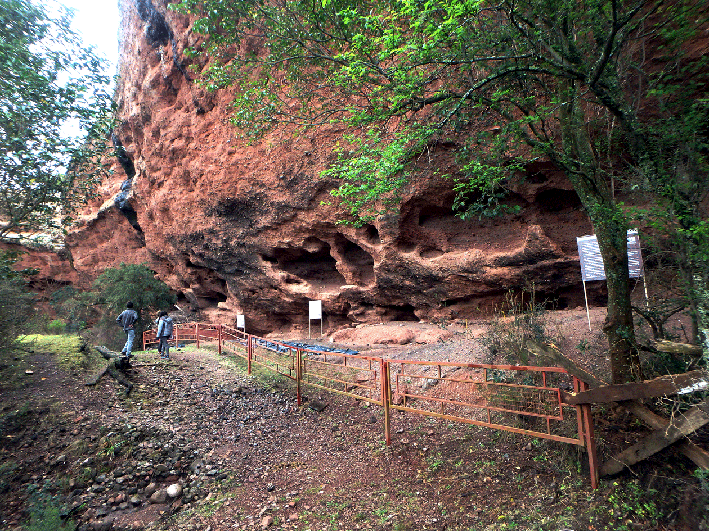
(321, 348)
(278, 347)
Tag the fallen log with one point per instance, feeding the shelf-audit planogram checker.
(98, 376)
(552, 354)
(688, 422)
(681, 350)
(699, 456)
(668, 385)
(117, 365)
(684, 349)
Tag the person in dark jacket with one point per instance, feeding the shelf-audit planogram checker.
(163, 334)
(127, 320)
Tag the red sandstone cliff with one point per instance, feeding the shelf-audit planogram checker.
(235, 228)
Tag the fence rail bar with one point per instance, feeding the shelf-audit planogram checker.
(383, 386)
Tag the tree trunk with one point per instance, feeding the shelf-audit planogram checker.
(618, 326)
(591, 184)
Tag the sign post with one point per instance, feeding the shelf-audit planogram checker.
(314, 312)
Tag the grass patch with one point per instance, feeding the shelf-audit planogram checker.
(46, 515)
(70, 350)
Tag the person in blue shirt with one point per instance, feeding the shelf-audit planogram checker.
(163, 334)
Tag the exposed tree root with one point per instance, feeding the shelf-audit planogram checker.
(117, 366)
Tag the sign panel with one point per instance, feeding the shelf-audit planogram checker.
(592, 262)
(315, 308)
(240, 321)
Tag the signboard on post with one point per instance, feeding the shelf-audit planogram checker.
(241, 322)
(592, 267)
(314, 312)
(592, 262)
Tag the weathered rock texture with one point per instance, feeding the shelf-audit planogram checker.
(238, 228)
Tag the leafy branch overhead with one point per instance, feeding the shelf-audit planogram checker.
(49, 85)
(546, 75)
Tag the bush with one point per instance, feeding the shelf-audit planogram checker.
(521, 319)
(16, 309)
(57, 326)
(75, 308)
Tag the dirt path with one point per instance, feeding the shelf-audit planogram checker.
(199, 445)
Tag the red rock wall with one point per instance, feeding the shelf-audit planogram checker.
(235, 228)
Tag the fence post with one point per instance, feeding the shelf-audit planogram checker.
(298, 372)
(219, 339)
(590, 439)
(386, 397)
(249, 351)
(196, 333)
(144, 339)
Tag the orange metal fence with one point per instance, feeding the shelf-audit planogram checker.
(520, 399)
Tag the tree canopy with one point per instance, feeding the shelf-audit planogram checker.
(508, 82)
(49, 84)
(135, 283)
(132, 282)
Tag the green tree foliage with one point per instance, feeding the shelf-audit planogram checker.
(136, 283)
(47, 81)
(16, 302)
(509, 82)
(77, 308)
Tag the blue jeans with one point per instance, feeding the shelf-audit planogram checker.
(130, 335)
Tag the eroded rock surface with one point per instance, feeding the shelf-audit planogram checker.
(239, 228)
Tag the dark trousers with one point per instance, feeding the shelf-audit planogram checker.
(164, 347)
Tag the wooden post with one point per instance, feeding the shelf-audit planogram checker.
(589, 439)
(298, 373)
(219, 339)
(249, 351)
(386, 398)
(196, 333)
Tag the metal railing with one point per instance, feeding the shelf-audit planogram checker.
(521, 399)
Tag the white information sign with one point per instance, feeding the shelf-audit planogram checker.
(592, 262)
(240, 321)
(315, 312)
(315, 308)
(592, 267)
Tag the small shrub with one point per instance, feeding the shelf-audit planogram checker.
(523, 318)
(45, 514)
(57, 326)
(16, 309)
